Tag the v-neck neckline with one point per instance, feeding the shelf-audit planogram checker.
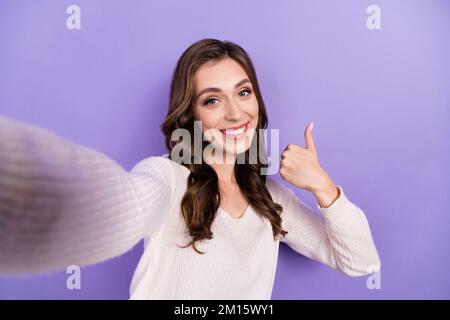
(235, 220)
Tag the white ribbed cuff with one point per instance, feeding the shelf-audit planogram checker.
(339, 209)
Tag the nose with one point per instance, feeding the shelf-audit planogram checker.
(233, 112)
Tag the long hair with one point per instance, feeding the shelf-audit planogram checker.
(202, 198)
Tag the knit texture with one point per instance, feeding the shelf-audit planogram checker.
(62, 203)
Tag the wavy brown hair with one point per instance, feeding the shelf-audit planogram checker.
(202, 198)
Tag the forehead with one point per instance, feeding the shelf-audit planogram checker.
(220, 74)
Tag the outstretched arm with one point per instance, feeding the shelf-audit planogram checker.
(63, 203)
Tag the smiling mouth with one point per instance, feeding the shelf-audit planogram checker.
(236, 133)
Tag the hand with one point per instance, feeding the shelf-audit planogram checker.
(300, 167)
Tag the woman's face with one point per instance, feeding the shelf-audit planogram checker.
(224, 99)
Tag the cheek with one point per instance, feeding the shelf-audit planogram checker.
(209, 119)
(254, 110)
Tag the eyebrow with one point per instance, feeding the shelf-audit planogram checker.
(240, 83)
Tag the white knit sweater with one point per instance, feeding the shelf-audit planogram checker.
(63, 204)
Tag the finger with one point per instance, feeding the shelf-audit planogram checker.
(309, 141)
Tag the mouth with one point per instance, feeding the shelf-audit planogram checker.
(237, 132)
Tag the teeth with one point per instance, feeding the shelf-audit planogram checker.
(235, 132)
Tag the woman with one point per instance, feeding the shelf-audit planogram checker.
(211, 228)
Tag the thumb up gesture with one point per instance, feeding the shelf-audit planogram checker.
(300, 167)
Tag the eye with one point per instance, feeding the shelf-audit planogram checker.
(207, 101)
(245, 90)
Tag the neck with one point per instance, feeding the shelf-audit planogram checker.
(224, 168)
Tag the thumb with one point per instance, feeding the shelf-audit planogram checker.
(309, 138)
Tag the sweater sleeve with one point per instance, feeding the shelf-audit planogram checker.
(340, 237)
(63, 203)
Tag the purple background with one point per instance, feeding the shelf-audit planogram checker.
(379, 100)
